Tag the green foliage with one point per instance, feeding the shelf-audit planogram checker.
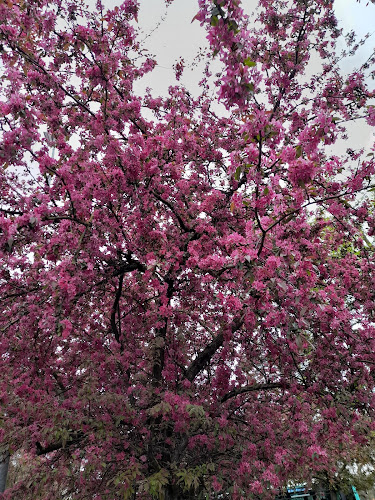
(196, 411)
(125, 481)
(237, 173)
(248, 62)
(250, 87)
(155, 484)
(347, 247)
(214, 21)
(191, 479)
(161, 408)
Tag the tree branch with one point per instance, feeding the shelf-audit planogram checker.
(4, 467)
(115, 308)
(131, 265)
(205, 356)
(184, 227)
(251, 388)
(159, 360)
(43, 450)
(295, 211)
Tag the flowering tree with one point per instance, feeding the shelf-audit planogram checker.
(186, 295)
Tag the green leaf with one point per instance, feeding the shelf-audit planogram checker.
(299, 151)
(250, 87)
(214, 21)
(237, 174)
(161, 408)
(233, 26)
(249, 62)
(195, 410)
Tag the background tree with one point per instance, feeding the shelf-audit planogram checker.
(186, 295)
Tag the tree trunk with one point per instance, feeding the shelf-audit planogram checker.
(4, 466)
(171, 493)
(174, 492)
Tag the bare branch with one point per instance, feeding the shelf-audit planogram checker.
(205, 356)
(252, 388)
(115, 308)
(58, 445)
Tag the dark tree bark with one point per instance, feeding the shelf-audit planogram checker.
(4, 467)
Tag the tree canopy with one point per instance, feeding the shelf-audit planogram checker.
(187, 290)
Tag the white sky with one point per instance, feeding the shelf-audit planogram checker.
(171, 35)
(359, 17)
(177, 36)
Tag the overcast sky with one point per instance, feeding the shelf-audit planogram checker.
(169, 34)
(176, 36)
